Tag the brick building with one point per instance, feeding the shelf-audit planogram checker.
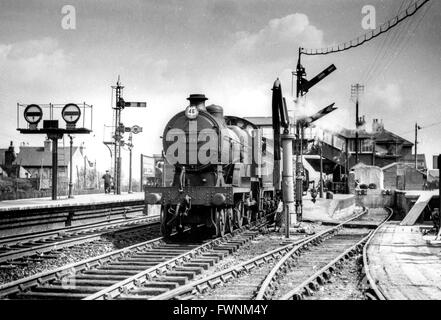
(381, 147)
(37, 164)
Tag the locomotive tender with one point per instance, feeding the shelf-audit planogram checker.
(221, 170)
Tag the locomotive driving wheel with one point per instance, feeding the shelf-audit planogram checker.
(230, 218)
(238, 215)
(247, 215)
(166, 228)
(221, 222)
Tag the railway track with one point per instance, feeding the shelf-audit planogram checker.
(297, 275)
(156, 265)
(14, 249)
(305, 261)
(372, 292)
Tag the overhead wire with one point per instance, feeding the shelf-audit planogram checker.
(410, 11)
(406, 42)
(391, 38)
(396, 43)
(383, 48)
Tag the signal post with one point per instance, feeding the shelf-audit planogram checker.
(120, 104)
(303, 86)
(71, 114)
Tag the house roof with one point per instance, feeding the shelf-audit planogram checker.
(411, 157)
(350, 133)
(385, 136)
(380, 136)
(37, 156)
(409, 165)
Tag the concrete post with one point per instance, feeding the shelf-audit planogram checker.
(321, 170)
(54, 166)
(70, 167)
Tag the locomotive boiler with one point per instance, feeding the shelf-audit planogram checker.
(219, 171)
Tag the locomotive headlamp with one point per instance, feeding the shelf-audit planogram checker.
(153, 198)
(71, 114)
(219, 199)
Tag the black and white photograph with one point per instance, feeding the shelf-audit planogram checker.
(222, 155)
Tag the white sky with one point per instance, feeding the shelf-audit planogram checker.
(232, 51)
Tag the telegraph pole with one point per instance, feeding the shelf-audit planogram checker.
(356, 91)
(416, 144)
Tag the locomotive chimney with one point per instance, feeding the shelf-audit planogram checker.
(198, 100)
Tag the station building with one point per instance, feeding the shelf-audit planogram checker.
(376, 147)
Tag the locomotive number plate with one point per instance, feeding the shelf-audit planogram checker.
(191, 112)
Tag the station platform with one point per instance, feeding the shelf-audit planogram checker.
(338, 209)
(422, 200)
(44, 214)
(63, 201)
(404, 264)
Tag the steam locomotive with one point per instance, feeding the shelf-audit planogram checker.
(218, 171)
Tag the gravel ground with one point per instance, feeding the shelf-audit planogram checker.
(347, 284)
(29, 266)
(263, 243)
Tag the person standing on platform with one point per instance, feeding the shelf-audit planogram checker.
(107, 180)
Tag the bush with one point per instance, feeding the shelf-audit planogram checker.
(372, 186)
(363, 186)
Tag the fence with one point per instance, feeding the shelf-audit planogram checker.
(27, 194)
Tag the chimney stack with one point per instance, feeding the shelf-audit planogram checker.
(10, 156)
(377, 126)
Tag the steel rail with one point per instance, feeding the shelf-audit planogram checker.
(74, 238)
(234, 272)
(378, 292)
(137, 280)
(226, 275)
(266, 285)
(319, 277)
(17, 239)
(58, 273)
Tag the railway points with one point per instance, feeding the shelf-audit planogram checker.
(155, 260)
(250, 279)
(298, 203)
